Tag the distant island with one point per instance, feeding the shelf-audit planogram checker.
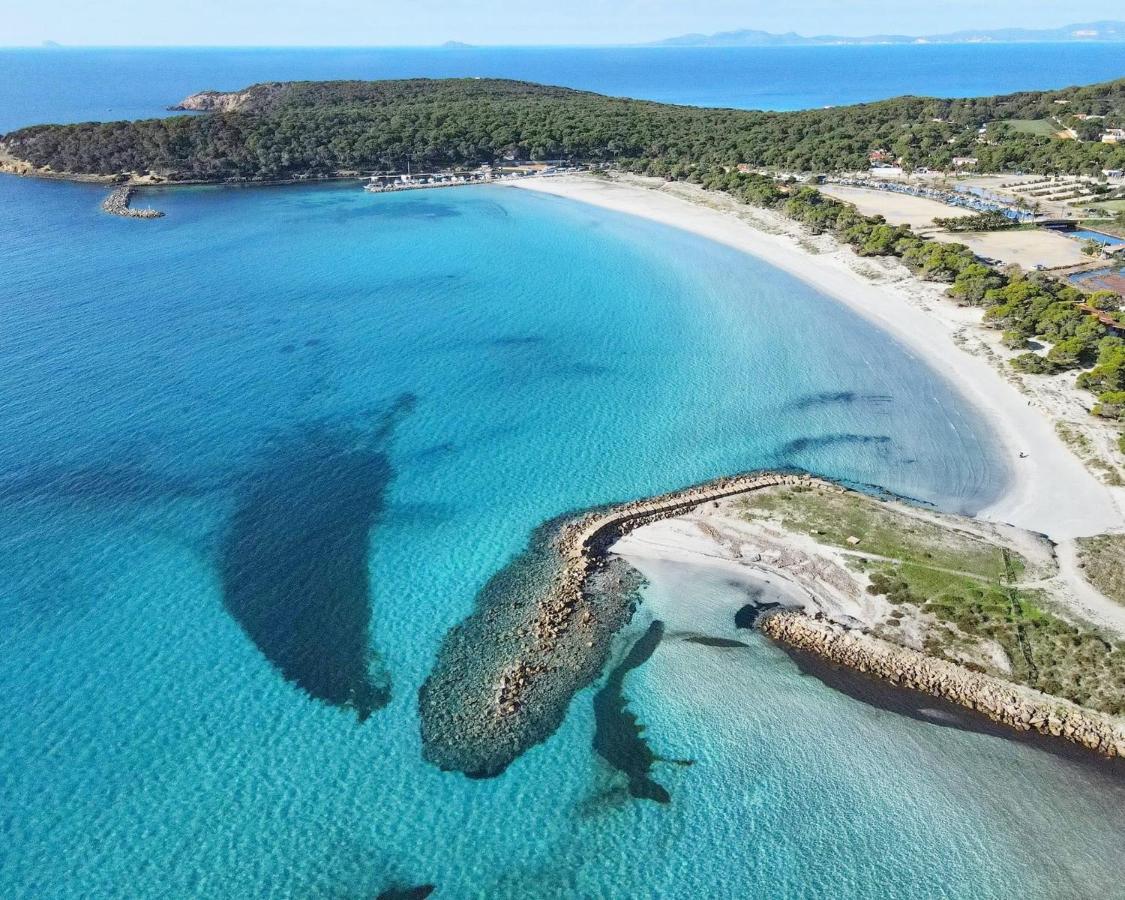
(1086, 32)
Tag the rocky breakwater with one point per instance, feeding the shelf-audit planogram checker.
(1001, 701)
(117, 204)
(541, 631)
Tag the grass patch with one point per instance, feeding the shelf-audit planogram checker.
(1045, 652)
(1104, 559)
(1080, 444)
(1039, 127)
(968, 585)
(832, 517)
(1113, 206)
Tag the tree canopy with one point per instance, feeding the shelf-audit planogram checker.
(285, 129)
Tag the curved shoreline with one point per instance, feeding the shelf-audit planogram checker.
(1049, 491)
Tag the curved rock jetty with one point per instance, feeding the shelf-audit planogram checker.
(1001, 701)
(117, 204)
(541, 631)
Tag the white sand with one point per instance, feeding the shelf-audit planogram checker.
(1051, 491)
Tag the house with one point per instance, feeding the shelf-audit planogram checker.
(1113, 136)
(964, 162)
(879, 156)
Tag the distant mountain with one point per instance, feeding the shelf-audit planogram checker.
(455, 45)
(1089, 32)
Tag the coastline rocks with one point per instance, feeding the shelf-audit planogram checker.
(251, 98)
(117, 204)
(1010, 704)
(541, 631)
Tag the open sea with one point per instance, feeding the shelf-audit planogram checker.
(259, 456)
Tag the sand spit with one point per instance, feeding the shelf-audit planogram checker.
(1001, 701)
(543, 627)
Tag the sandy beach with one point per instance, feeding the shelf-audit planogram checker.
(1050, 490)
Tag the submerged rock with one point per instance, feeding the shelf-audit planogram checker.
(293, 563)
(619, 735)
(541, 631)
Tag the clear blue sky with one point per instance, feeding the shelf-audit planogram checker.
(377, 22)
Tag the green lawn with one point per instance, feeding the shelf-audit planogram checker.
(1040, 127)
(966, 583)
(1111, 206)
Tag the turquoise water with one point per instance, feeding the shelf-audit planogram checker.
(351, 410)
(80, 84)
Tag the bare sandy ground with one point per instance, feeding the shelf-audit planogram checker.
(794, 570)
(1050, 490)
(1024, 248)
(898, 209)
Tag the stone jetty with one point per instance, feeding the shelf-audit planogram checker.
(117, 204)
(542, 629)
(1015, 706)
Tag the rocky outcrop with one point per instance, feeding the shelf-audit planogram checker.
(251, 99)
(1001, 701)
(212, 101)
(541, 631)
(117, 204)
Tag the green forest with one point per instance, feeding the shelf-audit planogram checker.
(289, 129)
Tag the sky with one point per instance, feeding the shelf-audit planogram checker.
(382, 23)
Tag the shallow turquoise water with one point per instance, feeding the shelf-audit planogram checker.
(186, 405)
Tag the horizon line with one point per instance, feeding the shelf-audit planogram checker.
(631, 45)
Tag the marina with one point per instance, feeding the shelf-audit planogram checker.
(408, 181)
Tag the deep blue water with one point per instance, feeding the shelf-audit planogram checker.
(260, 455)
(82, 84)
